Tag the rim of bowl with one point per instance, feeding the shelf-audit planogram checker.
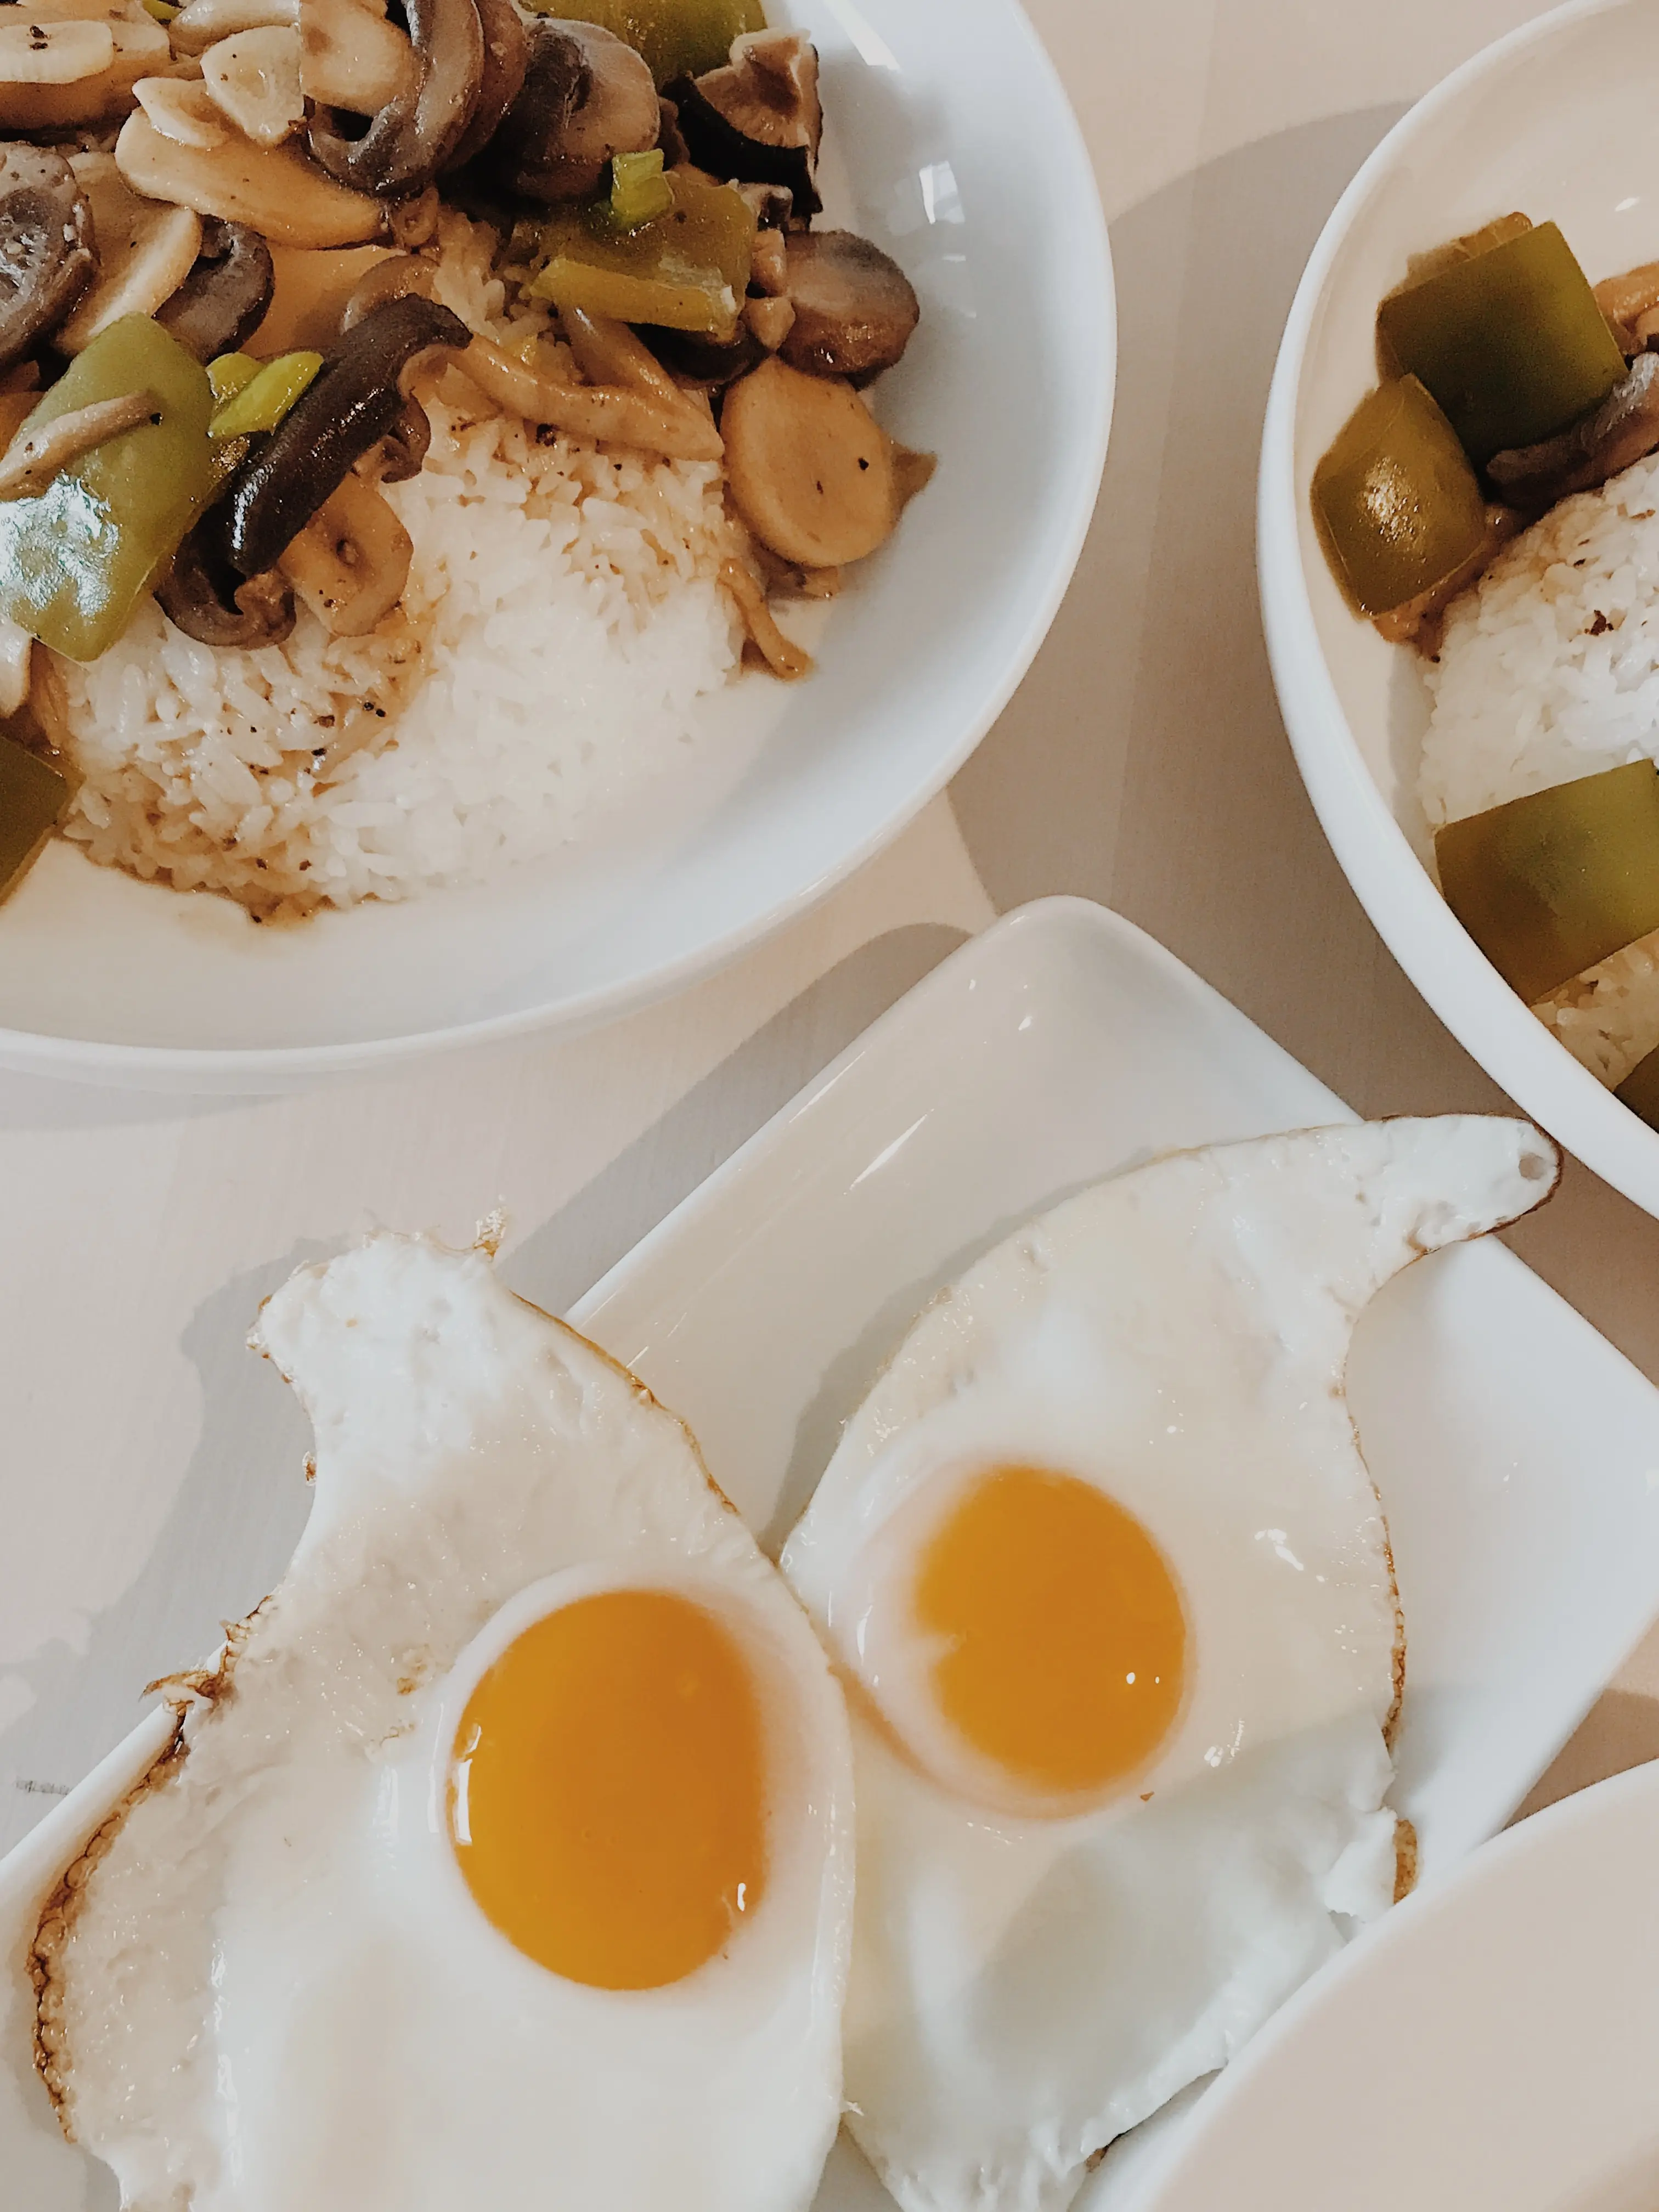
(255, 1068)
(1441, 960)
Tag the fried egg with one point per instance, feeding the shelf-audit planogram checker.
(1112, 1590)
(504, 1858)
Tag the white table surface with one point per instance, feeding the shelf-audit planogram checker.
(147, 1470)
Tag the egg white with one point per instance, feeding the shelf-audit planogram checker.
(277, 1993)
(1023, 1988)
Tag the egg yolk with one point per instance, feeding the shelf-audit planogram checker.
(607, 1798)
(1058, 1629)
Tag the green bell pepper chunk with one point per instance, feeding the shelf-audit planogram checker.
(1510, 341)
(261, 403)
(1549, 884)
(75, 559)
(677, 38)
(639, 192)
(229, 374)
(688, 269)
(1397, 504)
(33, 799)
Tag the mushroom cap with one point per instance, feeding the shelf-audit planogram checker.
(352, 405)
(223, 299)
(586, 95)
(213, 605)
(47, 255)
(854, 306)
(414, 134)
(758, 121)
(505, 58)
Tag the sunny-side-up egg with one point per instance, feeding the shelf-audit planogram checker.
(507, 1860)
(1112, 1590)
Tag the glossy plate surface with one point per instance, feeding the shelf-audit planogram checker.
(958, 154)
(1552, 121)
(1518, 1454)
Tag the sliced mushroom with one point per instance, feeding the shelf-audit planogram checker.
(351, 57)
(138, 47)
(715, 363)
(1624, 428)
(394, 278)
(587, 96)
(350, 409)
(505, 59)
(146, 249)
(683, 432)
(213, 605)
(414, 134)
(275, 188)
(47, 257)
(759, 120)
(54, 53)
(254, 77)
(32, 461)
(854, 307)
(811, 470)
(202, 23)
(351, 562)
(182, 109)
(223, 302)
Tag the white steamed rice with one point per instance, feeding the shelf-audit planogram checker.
(561, 619)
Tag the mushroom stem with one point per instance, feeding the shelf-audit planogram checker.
(683, 433)
(30, 465)
(351, 562)
(780, 654)
(608, 352)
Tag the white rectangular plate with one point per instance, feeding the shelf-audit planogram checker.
(1516, 1453)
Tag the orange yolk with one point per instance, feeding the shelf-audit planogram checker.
(607, 1801)
(1061, 1628)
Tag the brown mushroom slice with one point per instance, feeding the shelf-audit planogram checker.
(351, 57)
(351, 562)
(253, 76)
(223, 299)
(182, 108)
(138, 47)
(505, 60)
(202, 23)
(412, 136)
(586, 97)
(395, 278)
(811, 470)
(759, 120)
(1623, 429)
(854, 306)
(146, 249)
(218, 607)
(684, 433)
(274, 188)
(47, 257)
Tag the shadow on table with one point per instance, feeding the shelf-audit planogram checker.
(567, 1255)
(227, 1539)
(1621, 1730)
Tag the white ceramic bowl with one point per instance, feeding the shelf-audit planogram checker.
(1494, 2042)
(952, 146)
(1557, 120)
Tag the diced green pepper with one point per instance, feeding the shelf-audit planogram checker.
(1640, 1090)
(1549, 884)
(678, 38)
(266, 397)
(33, 798)
(163, 10)
(638, 191)
(1509, 342)
(1397, 504)
(229, 374)
(688, 269)
(75, 559)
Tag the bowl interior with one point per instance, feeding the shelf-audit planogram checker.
(958, 155)
(1558, 129)
(1552, 121)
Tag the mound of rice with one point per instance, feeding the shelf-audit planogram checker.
(562, 618)
(1549, 668)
